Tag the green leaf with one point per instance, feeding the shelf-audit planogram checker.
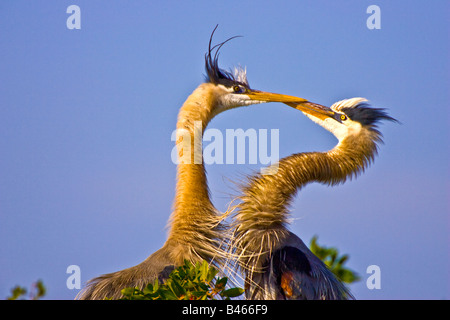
(221, 283)
(128, 292)
(17, 292)
(204, 271)
(156, 285)
(211, 274)
(168, 295)
(233, 292)
(148, 289)
(41, 290)
(198, 293)
(342, 260)
(176, 288)
(204, 286)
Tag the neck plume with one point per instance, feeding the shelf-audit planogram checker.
(262, 215)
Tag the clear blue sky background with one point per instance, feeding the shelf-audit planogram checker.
(86, 118)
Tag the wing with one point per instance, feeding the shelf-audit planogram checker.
(292, 272)
(302, 276)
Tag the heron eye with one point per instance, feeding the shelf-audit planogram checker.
(238, 89)
(343, 117)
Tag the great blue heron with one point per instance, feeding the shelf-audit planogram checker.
(275, 262)
(195, 229)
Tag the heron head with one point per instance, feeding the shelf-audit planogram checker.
(231, 89)
(346, 117)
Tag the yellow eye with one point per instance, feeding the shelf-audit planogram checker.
(237, 89)
(343, 117)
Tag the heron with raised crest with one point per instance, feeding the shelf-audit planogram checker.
(196, 229)
(275, 263)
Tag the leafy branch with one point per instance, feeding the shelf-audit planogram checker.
(37, 291)
(187, 282)
(330, 256)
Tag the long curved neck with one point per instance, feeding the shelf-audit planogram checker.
(263, 213)
(193, 226)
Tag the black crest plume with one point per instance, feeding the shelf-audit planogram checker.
(367, 115)
(213, 73)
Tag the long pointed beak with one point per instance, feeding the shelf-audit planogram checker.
(314, 109)
(272, 97)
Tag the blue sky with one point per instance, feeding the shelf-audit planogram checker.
(86, 117)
